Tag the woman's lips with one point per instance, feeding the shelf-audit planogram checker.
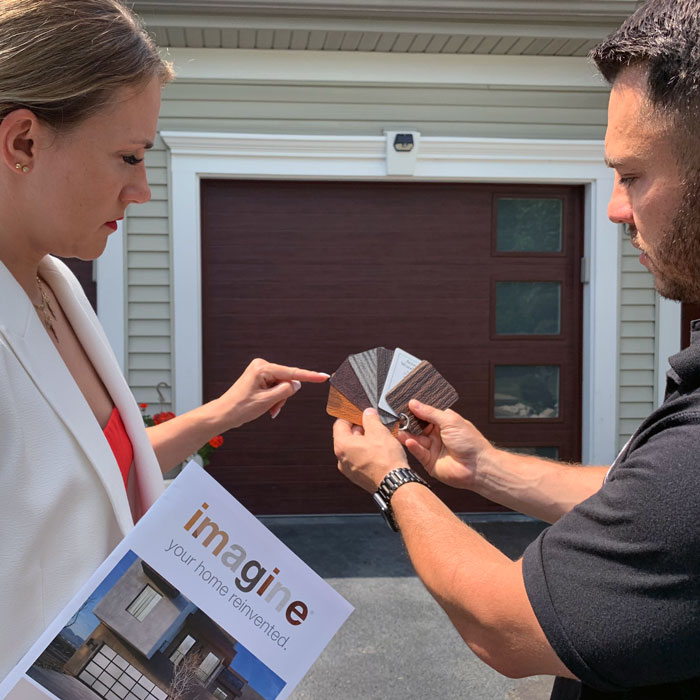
(112, 225)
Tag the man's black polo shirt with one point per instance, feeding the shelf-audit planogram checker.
(615, 583)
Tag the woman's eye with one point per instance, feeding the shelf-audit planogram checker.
(626, 181)
(132, 160)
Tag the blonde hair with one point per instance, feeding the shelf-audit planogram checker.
(65, 59)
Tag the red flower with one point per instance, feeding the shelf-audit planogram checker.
(162, 417)
(143, 406)
(216, 441)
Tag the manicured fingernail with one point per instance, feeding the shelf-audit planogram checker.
(325, 374)
(275, 413)
(296, 385)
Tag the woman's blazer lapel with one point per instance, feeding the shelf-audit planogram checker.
(29, 341)
(93, 339)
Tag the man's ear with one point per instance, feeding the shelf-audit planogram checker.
(18, 132)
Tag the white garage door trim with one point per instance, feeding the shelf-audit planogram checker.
(196, 155)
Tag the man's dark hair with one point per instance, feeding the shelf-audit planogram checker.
(662, 36)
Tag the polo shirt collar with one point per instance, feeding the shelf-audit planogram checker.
(685, 365)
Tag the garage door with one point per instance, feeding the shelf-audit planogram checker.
(481, 280)
(112, 677)
(83, 270)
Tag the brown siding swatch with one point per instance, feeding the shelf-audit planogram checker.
(426, 385)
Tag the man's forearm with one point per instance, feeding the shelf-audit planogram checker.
(537, 487)
(480, 589)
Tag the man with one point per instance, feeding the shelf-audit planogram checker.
(608, 597)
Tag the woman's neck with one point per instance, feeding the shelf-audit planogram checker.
(23, 266)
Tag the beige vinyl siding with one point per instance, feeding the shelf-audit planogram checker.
(354, 109)
(370, 109)
(149, 346)
(637, 369)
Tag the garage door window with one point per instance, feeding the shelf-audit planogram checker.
(526, 391)
(529, 225)
(524, 308)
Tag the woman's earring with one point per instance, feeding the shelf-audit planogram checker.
(23, 168)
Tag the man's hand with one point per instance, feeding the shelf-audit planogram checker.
(450, 449)
(366, 455)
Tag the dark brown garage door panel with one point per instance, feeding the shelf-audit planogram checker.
(305, 273)
(83, 270)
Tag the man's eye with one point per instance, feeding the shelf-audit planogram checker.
(132, 160)
(626, 181)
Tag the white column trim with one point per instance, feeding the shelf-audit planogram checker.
(111, 302)
(668, 340)
(195, 155)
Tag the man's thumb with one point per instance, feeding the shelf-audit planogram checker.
(427, 413)
(370, 420)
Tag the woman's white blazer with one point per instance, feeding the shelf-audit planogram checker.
(63, 505)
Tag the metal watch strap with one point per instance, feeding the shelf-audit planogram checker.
(387, 488)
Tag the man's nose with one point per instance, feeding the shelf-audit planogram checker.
(619, 206)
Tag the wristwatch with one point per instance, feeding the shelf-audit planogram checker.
(392, 481)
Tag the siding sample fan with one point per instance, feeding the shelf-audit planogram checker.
(387, 380)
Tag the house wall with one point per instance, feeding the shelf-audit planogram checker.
(146, 637)
(456, 103)
(638, 312)
(650, 329)
(249, 694)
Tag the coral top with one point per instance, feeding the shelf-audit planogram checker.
(118, 440)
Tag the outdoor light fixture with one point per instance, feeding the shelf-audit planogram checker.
(402, 149)
(403, 142)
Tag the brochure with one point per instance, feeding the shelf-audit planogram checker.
(200, 601)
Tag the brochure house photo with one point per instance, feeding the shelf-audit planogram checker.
(199, 601)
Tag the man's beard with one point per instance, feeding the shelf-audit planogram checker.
(676, 260)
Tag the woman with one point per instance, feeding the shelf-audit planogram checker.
(80, 85)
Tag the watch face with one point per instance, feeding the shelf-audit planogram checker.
(391, 482)
(385, 510)
(381, 503)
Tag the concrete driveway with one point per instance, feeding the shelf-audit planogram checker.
(61, 685)
(398, 644)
